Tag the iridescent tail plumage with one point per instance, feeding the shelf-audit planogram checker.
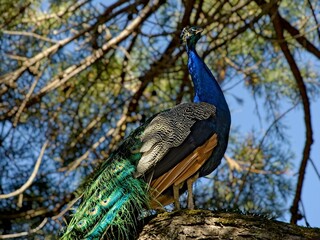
(110, 204)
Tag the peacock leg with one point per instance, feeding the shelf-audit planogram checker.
(190, 182)
(176, 195)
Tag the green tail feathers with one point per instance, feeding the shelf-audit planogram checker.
(112, 199)
(110, 205)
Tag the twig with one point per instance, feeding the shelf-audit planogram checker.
(304, 214)
(18, 13)
(23, 104)
(315, 18)
(315, 168)
(16, 235)
(11, 77)
(67, 208)
(69, 9)
(31, 178)
(29, 34)
(98, 54)
(73, 165)
(244, 179)
(301, 39)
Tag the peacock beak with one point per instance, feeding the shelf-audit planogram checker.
(189, 32)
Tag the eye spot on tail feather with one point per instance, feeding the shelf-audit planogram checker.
(93, 211)
(81, 224)
(105, 202)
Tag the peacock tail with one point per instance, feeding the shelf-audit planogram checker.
(112, 198)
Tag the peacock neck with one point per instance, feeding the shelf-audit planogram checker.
(206, 87)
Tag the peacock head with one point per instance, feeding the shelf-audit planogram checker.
(191, 35)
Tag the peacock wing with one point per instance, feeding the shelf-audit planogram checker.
(170, 130)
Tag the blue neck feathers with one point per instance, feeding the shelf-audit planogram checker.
(206, 87)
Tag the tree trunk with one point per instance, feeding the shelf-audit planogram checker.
(204, 224)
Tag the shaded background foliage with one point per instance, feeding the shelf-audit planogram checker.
(82, 74)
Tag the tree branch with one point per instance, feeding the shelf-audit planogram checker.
(25, 100)
(204, 224)
(156, 68)
(98, 54)
(21, 234)
(315, 18)
(277, 23)
(301, 39)
(29, 34)
(11, 77)
(31, 178)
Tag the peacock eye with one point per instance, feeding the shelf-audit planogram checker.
(92, 211)
(104, 202)
(80, 223)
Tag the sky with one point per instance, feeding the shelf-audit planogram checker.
(296, 132)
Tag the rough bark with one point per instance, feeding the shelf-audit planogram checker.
(205, 224)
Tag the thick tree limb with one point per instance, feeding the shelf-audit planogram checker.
(204, 224)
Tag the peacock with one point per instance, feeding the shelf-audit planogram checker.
(159, 160)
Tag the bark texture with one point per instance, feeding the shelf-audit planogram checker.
(204, 224)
